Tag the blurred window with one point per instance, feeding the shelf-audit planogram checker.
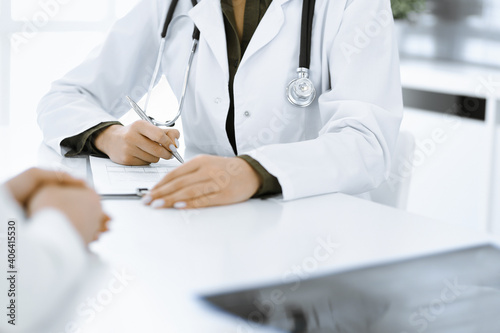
(457, 30)
(40, 40)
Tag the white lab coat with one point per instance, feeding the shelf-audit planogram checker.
(341, 143)
(51, 260)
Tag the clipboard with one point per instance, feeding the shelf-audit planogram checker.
(115, 181)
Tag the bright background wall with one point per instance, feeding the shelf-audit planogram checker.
(40, 40)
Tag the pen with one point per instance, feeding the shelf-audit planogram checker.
(145, 117)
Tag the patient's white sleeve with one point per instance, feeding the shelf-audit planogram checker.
(51, 259)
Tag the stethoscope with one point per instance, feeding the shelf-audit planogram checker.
(300, 91)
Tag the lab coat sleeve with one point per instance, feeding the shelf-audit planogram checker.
(95, 91)
(360, 112)
(51, 259)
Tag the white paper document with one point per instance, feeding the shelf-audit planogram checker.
(111, 179)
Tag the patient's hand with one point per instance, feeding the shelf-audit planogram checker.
(81, 205)
(37, 189)
(25, 185)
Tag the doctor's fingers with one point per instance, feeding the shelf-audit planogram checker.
(211, 200)
(152, 148)
(178, 184)
(205, 198)
(143, 157)
(153, 133)
(197, 195)
(181, 171)
(174, 135)
(133, 155)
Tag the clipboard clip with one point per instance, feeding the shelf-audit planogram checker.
(141, 192)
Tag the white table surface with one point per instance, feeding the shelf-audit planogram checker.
(174, 256)
(179, 255)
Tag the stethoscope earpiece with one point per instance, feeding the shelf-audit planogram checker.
(300, 91)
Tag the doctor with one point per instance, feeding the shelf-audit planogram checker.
(252, 140)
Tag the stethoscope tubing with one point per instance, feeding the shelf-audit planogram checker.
(184, 89)
(303, 69)
(306, 33)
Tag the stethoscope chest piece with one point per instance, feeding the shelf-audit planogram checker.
(301, 92)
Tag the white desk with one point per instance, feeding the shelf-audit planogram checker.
(176, 255)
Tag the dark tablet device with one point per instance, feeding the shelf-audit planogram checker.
(452, 292)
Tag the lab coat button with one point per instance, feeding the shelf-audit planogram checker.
(247, 114)
(218, 100)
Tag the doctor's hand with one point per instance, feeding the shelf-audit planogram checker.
(205, 181)
(140, 143)
(81, 205)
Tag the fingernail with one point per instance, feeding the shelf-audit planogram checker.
(177, 143)
(147, 199)
(180, 205)
(158, 203)
(172, 148)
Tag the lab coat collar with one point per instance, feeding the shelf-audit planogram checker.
(268, 28)
(207, 16)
